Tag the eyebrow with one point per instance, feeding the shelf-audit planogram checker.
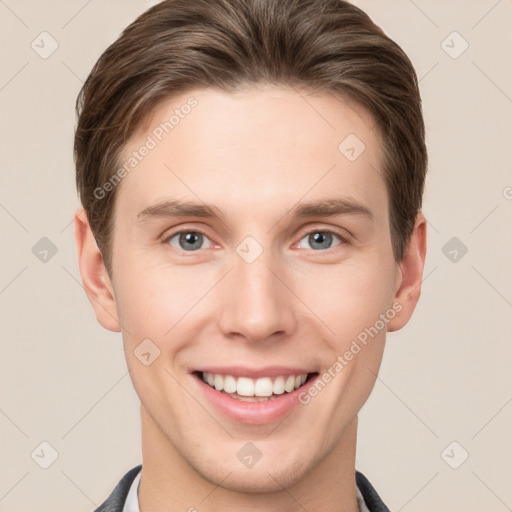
(322, 208)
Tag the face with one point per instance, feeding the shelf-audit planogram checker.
(252, 255)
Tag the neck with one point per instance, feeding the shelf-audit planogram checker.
(170, 484)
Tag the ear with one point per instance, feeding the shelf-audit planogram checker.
(97, 284)
(410, 274)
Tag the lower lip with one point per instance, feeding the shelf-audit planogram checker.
(253, 413)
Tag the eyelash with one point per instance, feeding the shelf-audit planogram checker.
(343, 239)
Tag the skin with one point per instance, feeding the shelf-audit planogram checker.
(254, 155)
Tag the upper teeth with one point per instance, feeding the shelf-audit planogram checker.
(245, 386)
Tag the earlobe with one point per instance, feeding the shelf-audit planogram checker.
(97, 284)
(410, 274)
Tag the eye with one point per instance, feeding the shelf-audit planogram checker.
(189, 240)
(319, 240)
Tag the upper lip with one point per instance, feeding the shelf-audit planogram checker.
(253, 373)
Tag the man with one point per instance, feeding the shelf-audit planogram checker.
(251, 174)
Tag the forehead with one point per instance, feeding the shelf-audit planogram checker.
(259, 147)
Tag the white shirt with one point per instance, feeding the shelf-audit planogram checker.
(132, 499)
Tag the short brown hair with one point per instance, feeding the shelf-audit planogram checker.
(319, 45)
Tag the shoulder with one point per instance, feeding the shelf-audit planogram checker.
(115, 502)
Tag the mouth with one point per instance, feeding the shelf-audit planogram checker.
(255, 397)
(262, 389)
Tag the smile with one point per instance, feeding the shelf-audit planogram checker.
(254, 390)
(250, 396)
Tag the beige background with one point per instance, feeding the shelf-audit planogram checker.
(444, 378)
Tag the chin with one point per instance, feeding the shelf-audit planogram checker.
(261, 478)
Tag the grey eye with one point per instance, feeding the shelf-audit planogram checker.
(188, 240)
(319, 240)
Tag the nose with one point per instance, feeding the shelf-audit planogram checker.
(255, 303)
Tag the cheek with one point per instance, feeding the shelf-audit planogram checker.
(151, 300)
(348, 298)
